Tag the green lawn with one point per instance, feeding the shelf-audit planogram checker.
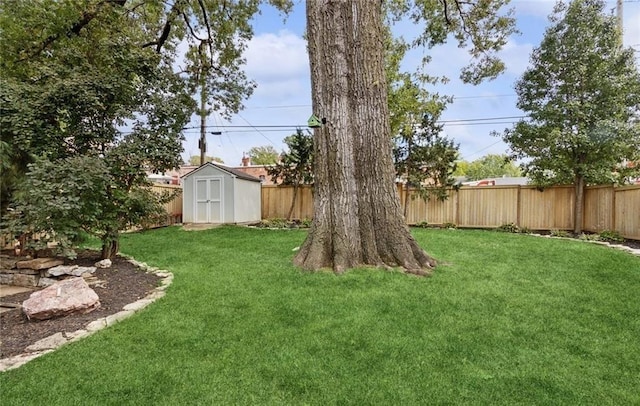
(511, 319)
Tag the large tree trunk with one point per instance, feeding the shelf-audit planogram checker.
(357, 215)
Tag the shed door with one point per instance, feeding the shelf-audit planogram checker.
(208, 200)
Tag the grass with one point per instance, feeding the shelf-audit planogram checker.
(511, 319)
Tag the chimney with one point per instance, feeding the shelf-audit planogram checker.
(246, 161)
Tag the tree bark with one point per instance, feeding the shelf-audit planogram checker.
(296, 186)
(357, 215)
(578, 209)
(110, 245)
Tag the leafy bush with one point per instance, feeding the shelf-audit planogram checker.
(611, 236)
(508, 228)
(589, 237)
(524, 230)
(559, 233)
(422, 224)
(66, 200)
(449, 225)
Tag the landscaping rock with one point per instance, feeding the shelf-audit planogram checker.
(25, 280)
(62, 298)
(51, 342)
(39, 263)
(8, 262)
(44, 282)
(73, 270)
(105, 263)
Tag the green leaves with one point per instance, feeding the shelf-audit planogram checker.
(265, 155)
(489, 166)
(582, 95)
(426, 158)
(296, 165)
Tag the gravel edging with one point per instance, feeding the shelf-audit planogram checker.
(49, 344)
(632, 251)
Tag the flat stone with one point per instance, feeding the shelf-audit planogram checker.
(19, 360)
(138, 305)
(65, 297)
(44, 282)
(25, 280)
(8, 262)
(73, 270)
(25, 271)
(96, 325)
(105, 263)
(76, 335)
(115, 318)
(156, 294)
(7, 290)
(51, 342)
(39, 263)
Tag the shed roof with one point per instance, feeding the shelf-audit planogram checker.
(231, 171)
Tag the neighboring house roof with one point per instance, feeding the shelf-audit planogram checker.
(259, 171)
(231, 171)
(503, 181)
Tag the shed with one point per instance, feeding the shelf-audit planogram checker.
(215, 193)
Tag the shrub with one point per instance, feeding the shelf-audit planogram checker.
(449, 225)
(559, 233)
(508, 228)
(422, 224)
(611, 236)
(589, 237)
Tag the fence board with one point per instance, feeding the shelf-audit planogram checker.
(494, 206)
(276, 202)
(598, 208)
(173, 207)
(627, 211)
(549, 209)
(432, 211)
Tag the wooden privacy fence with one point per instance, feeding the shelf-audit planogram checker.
(173, 207)
(276, 202)
(606, 207)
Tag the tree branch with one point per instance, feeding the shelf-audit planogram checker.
(159, 43)
(75, 29)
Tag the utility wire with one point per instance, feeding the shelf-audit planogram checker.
(288, 126)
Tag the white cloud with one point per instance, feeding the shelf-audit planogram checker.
(274, 57)
(533, 8)
(516, 57)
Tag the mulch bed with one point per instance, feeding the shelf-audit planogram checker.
(120, 285)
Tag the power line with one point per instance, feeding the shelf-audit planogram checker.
(255, 128)
(284, 127)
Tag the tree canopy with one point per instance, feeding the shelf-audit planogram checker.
(113, 81)
(582, 98)
(489, 166)
(264, 155)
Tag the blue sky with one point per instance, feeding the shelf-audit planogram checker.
(277, 61)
